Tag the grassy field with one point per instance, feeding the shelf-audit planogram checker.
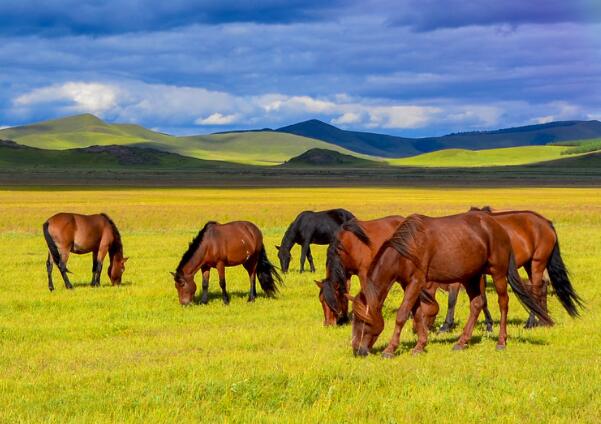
(479, 158)
(132, 354)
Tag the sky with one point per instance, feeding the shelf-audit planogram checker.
(404, 67)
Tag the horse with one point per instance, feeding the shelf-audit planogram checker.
(351, 253)
(74, 233)
(535, 245)
(445, 250)
(224, 245)
(310, 227)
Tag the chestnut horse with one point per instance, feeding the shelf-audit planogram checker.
(219, 246)
(350, 254)
(310, 227)
(457, 248)
(74, 233)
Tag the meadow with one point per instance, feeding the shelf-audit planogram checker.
(132, 354)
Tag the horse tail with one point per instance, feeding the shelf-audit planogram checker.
(267, 274)
(523, 295)
(560, 280)
(52, 247)
(353, 227)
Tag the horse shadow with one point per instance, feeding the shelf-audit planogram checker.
(87, 284)
(216, 295)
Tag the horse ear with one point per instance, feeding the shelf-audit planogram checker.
(277, 247)
(319, 284)
(173, 274)
(349, 297)
(125, 259)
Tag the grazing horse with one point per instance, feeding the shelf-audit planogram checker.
(536, 248)
(458, 248)
(350, 254)
(221, 245)
(74, 233)
(311, 227)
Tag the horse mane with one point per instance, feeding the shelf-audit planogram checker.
(482, 209)
(403, 239)
(193, 246)
(353, 227)
(340, 215)
(117, 245)
(337, 272)
(288, 239)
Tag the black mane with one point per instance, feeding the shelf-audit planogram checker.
(340, 215)
(193, 246)
(117, 245)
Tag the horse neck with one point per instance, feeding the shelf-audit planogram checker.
(195, 262)
(289, 235)
(380, 280)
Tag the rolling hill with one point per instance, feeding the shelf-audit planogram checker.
(329, 158)
(451, 158)
(395, 147)
(16, 156)
(257, 148)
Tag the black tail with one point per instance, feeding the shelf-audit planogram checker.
(354, 227)
(523, 294)
(56, 256)
(267, 274)
(558, 274)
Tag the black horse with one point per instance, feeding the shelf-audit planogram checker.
(311, 227)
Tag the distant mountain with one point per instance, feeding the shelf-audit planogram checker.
(391, 146)
(252, 147)
(324, 158)
(14, 156)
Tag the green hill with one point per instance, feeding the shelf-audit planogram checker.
(15, 156)
(329, 158)
(257, 148)
(451, 158)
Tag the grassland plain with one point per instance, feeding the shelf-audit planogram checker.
(132, 354)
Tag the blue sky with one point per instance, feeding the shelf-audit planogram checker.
(415, 68)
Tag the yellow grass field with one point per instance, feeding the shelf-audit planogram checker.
(132, 354)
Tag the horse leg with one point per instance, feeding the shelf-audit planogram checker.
(487, 316)
(310, 259)
(501, 287)
(420, 324)
(476, 303)
(100, 255)
(412, 292)
(206, 273)
(62, 267)
(49, 264)
(94, 265)
(449, 321)
(531, 318)
(252, 275)
(538, 287)
(221, 272)
(303, 256)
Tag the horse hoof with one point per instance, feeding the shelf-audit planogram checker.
(416, 352)
(500, 347)
(69, 287)
(445, 328)
(489, 328)
(251, 299)
(204, 301)
(387, 355)
(459, 347)
(362, 351)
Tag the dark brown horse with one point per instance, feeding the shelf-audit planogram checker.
(458, 248)
(350, 254)
(74, 233)
(223, 245)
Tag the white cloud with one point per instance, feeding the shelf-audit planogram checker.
(347, 118)
(216, 119)
(83, 96)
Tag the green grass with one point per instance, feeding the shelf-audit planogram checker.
(480, 158)
(132, 354)
(252, 148)
(585, 146)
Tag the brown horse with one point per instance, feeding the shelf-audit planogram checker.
(458, 248)
(74, 233)
(350, 254)
(219, 246)
(536, 248)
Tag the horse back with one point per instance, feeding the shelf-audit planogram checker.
(232, 243)
(82, 233)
